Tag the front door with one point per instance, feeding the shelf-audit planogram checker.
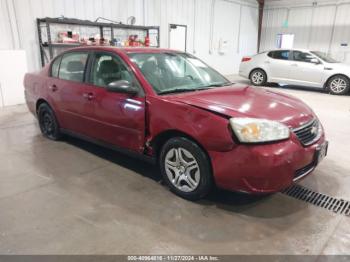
(116, 118)
(304, 71)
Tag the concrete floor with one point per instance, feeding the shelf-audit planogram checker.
(72, 197)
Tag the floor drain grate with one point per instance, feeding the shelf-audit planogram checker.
(338, 206)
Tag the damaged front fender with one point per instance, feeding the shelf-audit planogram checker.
(211, 130)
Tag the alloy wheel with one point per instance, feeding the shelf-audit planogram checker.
(182, 169)
(257, 78)
(338, 85)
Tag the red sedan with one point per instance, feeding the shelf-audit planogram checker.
(172, 108)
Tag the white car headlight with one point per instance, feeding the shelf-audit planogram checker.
(254, 130)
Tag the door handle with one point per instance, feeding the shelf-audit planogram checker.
(267, 62)
(88, 96)
(53, 88)
(294, 64)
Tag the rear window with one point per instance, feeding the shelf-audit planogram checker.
(281, 54)
(55, 67)
(73, 66)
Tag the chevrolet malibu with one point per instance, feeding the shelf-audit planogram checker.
(171, 108)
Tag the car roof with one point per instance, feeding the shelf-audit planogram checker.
(127, 49)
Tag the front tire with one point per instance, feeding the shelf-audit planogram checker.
(338, 85)
(186, 168)
(258, 77)
(48, 123)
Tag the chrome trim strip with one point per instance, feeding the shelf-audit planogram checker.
(304, 125)
(305, 174)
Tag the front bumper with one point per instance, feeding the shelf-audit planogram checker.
(265, 168)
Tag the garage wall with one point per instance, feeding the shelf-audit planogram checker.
(234, 21)
(5, 27)
(318, 25)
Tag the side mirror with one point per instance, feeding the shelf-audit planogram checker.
(315, 61)
(122, 86)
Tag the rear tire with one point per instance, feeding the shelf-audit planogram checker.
(186, 168)
(258, 77)
(338, 85)
(48, 123)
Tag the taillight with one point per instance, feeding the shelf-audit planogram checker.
(246, 59)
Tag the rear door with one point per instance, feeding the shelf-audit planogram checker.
(72, 94)
(116, 118)
(278, 66)
(304, 71)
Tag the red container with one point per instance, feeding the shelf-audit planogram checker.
(147, 41)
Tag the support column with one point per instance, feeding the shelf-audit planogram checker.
(261, 13)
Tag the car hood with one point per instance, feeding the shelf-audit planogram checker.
(339, 67)
(246, 101)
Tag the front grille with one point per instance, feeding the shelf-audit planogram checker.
(300, 173)
(308, 133)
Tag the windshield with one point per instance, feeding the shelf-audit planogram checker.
(176, 72)
(324, 57)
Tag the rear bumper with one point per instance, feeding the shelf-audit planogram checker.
(244, 69)
(30, 102)
(243, 73)
(264, 168)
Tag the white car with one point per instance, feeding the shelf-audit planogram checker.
(297, 67)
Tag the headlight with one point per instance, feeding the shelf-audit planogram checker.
(254, 130)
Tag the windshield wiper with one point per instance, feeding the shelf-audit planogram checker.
(176, 90)
(181, 90)
(219, 85)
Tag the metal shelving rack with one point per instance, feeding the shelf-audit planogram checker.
(44, 26)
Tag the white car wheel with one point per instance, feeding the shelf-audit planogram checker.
(338, 85)
(258, 77)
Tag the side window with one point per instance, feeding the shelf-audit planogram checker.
(55, 67)
(270, 54)
(281, 55)
(302, 56)
(73, 66)
(108, 68)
